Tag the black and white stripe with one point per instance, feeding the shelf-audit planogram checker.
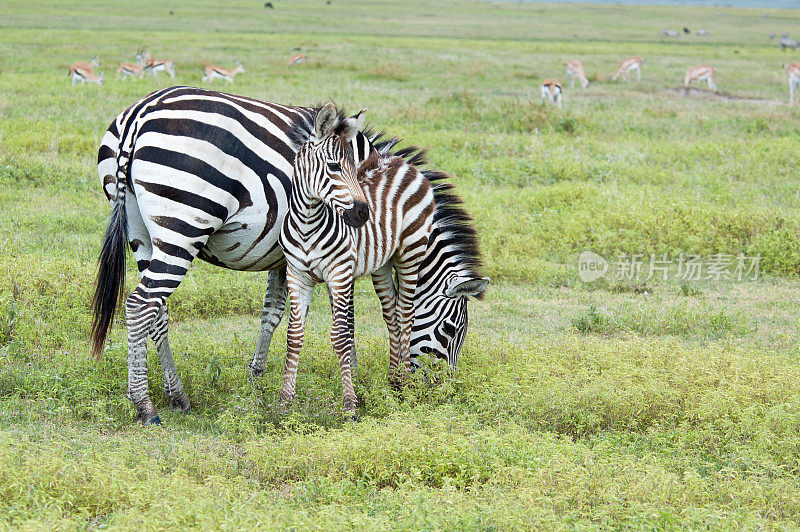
(196, 173)
(450, 272)
(343, 223)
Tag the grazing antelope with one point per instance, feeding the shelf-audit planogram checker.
(157, 65)
(211, 72)
(345, 222)
(551, 92)
(296, 59)
(631, 63)
(793, 69)
(575, 70)
(83, 72)
(699, 73)
(129, 69)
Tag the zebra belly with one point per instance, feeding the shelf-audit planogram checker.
(248, 241)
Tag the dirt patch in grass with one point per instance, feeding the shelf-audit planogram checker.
(694, 92)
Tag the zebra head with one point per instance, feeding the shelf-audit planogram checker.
(440, 318)
(325, 165)
(447, 279)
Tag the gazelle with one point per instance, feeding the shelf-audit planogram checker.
(129, 69)
(142, 57)
(145, 59)
(793, 69)
(699, 73)
(551, 92)
(157, 65)
(83, 65)
(628, 65)
(83, 72)
(211, 72)
(296, 59)
(575, 70)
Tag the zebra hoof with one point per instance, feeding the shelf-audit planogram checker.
(156, 420)
(180, 403)
(351, 417)
(255, 372)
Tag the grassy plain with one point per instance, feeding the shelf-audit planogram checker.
(579, 406)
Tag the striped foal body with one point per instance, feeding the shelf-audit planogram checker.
(341, 226)
(198, 173)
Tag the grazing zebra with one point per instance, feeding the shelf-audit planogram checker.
(341, 226)
(787, 42)
(199, 173)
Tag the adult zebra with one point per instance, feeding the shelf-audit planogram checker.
(197, 173)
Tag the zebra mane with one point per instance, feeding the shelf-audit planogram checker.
(449, 216)
(302, 130)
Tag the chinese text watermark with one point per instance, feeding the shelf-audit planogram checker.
(683, 267)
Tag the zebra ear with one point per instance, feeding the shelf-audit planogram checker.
(326, 118)
(466, 286)
(353, 124)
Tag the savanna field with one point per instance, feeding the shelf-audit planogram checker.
(620, 403)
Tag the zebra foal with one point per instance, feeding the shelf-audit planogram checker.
(343, 224)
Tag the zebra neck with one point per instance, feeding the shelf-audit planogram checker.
(306, 212)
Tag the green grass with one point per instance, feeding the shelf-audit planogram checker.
(614, 404)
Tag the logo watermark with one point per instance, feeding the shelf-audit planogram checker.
(684, 267)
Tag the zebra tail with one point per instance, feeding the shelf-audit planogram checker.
(110, 273)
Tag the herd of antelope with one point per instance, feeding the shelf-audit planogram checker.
(552, 89)
(83, 72)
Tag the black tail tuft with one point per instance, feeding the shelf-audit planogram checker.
(110, 277)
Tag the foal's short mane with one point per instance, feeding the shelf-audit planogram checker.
(301, 130)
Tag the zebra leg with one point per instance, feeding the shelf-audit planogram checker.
(407, 273)
(351, 325)
(300, 299)
(173, 387)
(383, 282)
(160, 277)
(271, 315)
(140, 311)
(342, 340)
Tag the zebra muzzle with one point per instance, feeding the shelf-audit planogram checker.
(357, 215)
